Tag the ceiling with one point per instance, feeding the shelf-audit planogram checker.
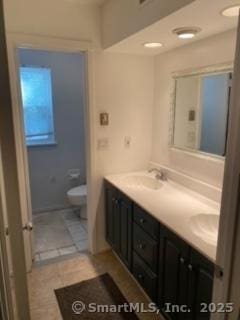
(87, 2)
(200, 13)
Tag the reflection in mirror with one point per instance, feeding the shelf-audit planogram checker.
(201, 112)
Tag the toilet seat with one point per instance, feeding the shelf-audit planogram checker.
(78, 195)
(78, 191)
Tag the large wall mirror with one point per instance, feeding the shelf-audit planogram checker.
(200, 108)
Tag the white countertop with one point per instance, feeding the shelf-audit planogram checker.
(173, 205)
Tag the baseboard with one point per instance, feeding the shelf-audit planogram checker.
(50, 209)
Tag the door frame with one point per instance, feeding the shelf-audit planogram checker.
(227, 277)
(15, 41)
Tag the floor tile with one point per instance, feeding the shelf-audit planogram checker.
(76, 228)
(83, 223)
(50, 232)
(82, 245)
(72, 265)
(71, 218)
(57, 230)
(37, 257)
(79, 236)
(49, 254)
(50, 312)
(43, 281)
(67, 250)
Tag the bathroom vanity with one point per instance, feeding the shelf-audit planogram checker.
(151, 226)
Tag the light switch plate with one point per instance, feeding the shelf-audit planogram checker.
(104, 119)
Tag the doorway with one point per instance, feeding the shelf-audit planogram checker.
(52, 87)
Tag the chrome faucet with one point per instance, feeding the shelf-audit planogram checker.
(160, 175)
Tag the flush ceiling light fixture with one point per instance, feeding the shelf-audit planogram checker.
(186, 32)
(152, 45)
(232, 11)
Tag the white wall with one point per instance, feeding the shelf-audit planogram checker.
(214, 50)
(63, 19)
(125, 89)
(122, 18)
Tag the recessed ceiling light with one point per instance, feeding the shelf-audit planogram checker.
(186, 33)
(232, 11)
(153, 45)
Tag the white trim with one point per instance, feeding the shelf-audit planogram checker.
(15, 41)
(214, 69)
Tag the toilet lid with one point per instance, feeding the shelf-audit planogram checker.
(78, 191)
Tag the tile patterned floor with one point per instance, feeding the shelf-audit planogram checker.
(59, 233)
(43, 280)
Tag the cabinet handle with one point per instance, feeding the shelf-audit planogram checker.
(190, 267)
(140, 276)
(182, 260)
(142, 220)
(141, 246)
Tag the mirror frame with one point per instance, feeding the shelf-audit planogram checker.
(213, 69)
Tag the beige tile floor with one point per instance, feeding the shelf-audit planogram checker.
(43, 280)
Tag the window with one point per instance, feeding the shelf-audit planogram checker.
(36, 89)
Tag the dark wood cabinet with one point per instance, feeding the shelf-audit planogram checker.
(112, 217)
(170, 271)
(201, 276)
(146, 247)
(145, 277)
(185, 279)
(119, 223)
(146, 221)
(125, 226)
(173, 274)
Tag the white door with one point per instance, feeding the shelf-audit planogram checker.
(22, 158)
(9, 198)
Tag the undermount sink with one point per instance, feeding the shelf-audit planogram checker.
(205, 226)
(139, 181)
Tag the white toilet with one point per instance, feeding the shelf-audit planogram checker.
(78, 198)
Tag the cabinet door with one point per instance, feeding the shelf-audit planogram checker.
(201, 285)
(112, 217)
(173, 275)
(145, 277)
(125, 226)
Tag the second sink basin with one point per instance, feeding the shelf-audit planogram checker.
(205, 226)
(139, 181)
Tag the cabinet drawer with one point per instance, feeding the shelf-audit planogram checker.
(146, 278)
(148, 223)
(145, 246)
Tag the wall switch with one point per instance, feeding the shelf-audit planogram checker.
(102, 143)
(104, 119)
(127, 142)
